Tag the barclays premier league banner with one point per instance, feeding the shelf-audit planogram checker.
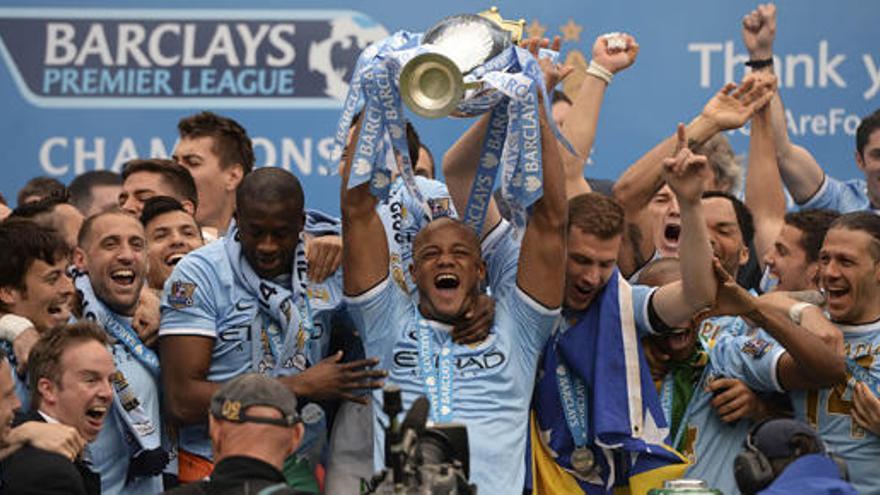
(90, 85)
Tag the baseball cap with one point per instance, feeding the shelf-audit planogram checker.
(773, 437)
(233, 399)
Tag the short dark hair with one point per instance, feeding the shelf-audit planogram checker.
(467, 233)
(43, 187)
(866, 127)
(231, 142)
(21, 242)
(36, 208)
(45, 357)
(596, 214)
(88, 224)
(864, 221)
(176, 175)
(744, 219)
(269, 185)
(81, 187)
(159, 205)
(813, 224)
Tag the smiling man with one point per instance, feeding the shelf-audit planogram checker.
(850, 276)
(111, 257)
(414, 339)
(144, 179)
(71, 375)
(245, 304)
(218, 153)
(35, 291)
(171, 233)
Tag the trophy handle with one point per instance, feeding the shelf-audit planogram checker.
(432, 85)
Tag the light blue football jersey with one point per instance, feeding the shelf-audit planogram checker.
(828, 410)
(710, 444)
(403, 217)
(843, 196)
(493, 381)
(220, 307)
(111, 451)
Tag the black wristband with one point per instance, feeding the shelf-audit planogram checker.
(758, 64)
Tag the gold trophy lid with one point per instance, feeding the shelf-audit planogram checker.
(516, 28)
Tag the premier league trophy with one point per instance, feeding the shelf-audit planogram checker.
(433, 83)
(466, 65)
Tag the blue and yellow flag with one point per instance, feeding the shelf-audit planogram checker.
(626, 430)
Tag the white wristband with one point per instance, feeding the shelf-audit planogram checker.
(600, 72)
(796, 311)
(11, 326)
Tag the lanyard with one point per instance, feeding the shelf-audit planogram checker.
(573, 394)
(438, 380)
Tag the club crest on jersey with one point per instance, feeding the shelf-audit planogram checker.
(440, 207)
(756, 347)
(181, 295)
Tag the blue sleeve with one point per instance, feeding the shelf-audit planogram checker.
(641, 299)
(840, 196)
(500, 251)
(751, 359)
(533, 321)
(320, 224)
(377, 313)
(188, 303)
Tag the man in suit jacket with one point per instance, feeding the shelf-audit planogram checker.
(69, 372)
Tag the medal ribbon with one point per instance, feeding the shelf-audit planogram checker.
(438, 380)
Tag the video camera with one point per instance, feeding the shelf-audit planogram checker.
(421, 460)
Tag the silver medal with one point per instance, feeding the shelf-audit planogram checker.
(582, 460)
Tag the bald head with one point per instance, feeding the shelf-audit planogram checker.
(463, 232)
(267, 186)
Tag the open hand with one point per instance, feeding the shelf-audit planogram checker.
(734, 105)
(866, 408)
(554, 73)
(685, 172)
(333, 379)
(615, 59)
(477, 322)
(58, 438)
(324, 255)
(759, 31)
(731, 298)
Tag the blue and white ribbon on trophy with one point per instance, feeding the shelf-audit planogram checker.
(513, 138)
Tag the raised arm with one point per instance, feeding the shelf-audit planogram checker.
(365, 250)
(579, 126)
(802, 174)
(460, 167)
(541, 260)
(730, 108)
(764, 191)
(686, 175)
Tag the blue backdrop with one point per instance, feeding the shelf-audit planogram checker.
(91, 85)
